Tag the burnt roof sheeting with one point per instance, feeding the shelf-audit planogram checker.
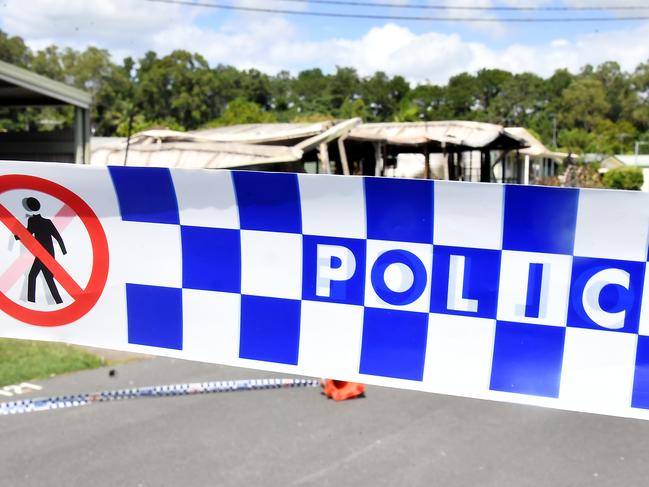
(337, 131)
(20, 87)
(191, 155)
(261, 133)
(535, 147)
(450, 134)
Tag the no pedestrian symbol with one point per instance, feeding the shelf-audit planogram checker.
(84, 298)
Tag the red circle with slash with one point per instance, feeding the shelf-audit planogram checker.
(83, 298)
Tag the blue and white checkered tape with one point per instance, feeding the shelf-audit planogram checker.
(523, 294)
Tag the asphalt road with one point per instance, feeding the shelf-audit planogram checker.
(298, 437)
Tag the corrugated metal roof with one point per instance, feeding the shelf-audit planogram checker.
(460, 133)
(535, 146)
(641, 160)
(341, 129)
(22, 87)
(261, 133)
(198, 149)
(191, 155)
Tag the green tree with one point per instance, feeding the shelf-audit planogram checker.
(488, 84)
(630, 178)
(354, 108)
(576, 141)
(584, 104)
(344, 83)
(614, 137)
(431, 102)
(312, 92)
(638, 102)
(616, 84)
(461, 94)
(256, 88)
(519, 101)
(139, 124)
(179, 86)
(13, 50)
(382, 95)
(241, 111)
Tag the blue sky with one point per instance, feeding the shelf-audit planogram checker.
(421, 51)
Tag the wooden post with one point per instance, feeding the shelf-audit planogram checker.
(81, 136)
(426, 162)
(128, 136)
(343, 156)
(446, 175)
(485, 167)
(378, 159)
(452, 176)
(323, 155)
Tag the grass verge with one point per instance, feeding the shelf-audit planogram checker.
(23, 360)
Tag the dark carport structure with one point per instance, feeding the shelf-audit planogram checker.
(20, 88)
(378, 144)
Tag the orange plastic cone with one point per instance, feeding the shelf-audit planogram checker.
(339, 390)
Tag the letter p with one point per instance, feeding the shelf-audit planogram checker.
(334, 263)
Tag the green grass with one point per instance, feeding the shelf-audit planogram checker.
(22, 360)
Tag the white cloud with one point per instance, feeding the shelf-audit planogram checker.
(272, 42)
(116, 24)
(397, 50)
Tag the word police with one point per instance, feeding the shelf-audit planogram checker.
(504, 285)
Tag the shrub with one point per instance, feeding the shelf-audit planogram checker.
(624, 178)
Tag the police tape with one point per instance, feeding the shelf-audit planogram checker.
(524, 294)
(172, 390)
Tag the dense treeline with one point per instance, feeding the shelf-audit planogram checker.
(602, 109)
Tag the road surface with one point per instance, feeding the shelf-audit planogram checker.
(297, 437)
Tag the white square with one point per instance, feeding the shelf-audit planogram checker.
(104, 326)
(271, 264)
(330, 340)
(554, 292)
(459, 354)
(332, 206)
(146, 253)
(612, 225)
(598, 370)
(468, 215)
(211, 326)
(206, 199)
(397, 277)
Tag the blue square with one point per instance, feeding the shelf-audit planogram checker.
(471, 278)
(211, 259)
(527, 359)
(610, 289)
(155, 316)
(399, 209)
(268, 201)
(338, 276)
(145, 194)
(540, 219)
(640, 398)
(270, 329)
(394, 343)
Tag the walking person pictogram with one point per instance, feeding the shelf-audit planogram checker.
(37, 236)
(43, 231)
